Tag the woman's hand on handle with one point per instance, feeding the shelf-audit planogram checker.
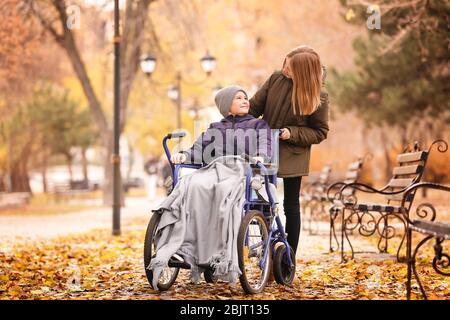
(285, 134)
(178, 158)
(258, 159)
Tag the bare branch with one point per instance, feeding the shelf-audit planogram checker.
(48, 26)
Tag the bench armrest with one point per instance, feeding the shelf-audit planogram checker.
(422, 209)
(365, 188)
(336, 195)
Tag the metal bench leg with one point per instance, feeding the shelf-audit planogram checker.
(384, 234)
(409, 263)
(405, 225)
(412, 263)
(345, 229)
(331, 229)
(386, 225)
(343, 226)
(333, 216)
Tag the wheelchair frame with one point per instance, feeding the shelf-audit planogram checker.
(276, 231)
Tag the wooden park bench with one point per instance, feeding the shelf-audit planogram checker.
(352, 175)
(370, 219)
(433, 229)
(316, 197)
(14, 199)
(65, 190)
(311, 196)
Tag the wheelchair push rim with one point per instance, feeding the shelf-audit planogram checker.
(168, 275)
(254, 252)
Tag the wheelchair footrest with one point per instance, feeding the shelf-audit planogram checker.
(178, 264)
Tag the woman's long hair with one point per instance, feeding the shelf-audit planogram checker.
(306, 74)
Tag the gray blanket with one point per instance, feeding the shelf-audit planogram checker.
(200, 220)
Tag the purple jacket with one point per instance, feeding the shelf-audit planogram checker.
(233, 135)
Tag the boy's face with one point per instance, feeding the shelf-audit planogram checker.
(240, 105)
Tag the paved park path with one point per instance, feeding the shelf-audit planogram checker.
(135, 215)
(49, 226)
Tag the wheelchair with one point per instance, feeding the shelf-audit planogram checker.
(262, 240)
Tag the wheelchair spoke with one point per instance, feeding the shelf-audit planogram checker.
(256, 238)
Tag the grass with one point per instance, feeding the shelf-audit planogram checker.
(45, 204)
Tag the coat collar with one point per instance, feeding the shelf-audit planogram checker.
(231, 118)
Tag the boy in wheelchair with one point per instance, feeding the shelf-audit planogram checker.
(236, 134)
(199, 221)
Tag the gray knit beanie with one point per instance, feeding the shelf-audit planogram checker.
(224, 98)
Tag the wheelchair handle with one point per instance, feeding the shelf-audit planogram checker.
(169, 136)
(249, 159)
(175, 135)
(246, 157)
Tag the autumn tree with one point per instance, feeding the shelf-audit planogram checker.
(402, 81)
(403, 69)
(54, 17)
(17, 65)
(63, 125)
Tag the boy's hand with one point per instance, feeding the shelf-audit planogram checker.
(178, 158)
(285, 134)
(258, 159)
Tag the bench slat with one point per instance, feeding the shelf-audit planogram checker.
(412, 156)
(348, 191)
(401, 183)
(354, 166)
(404, 170)
(399, 197)
(351, 175)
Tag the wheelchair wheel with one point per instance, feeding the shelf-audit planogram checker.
(283, 273)
(169, 275)
(252, 242)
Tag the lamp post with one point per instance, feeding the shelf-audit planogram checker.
(148, 65)
(116, 155)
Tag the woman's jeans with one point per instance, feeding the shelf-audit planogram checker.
(291, 206)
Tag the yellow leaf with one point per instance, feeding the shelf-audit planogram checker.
(350, 15)
(4, 278)
(15, 290)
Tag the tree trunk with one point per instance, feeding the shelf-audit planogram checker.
(387, 158)
(11, 143)
(84, 164)
(2, 183)
(69, 165)
(130, 161)
(19, 176)
(108, 171)
(404, 136)
(44, 171)
(20, 181)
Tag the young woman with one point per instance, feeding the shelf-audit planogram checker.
(294, 101)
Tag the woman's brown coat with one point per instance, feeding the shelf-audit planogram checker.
(273, 102)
